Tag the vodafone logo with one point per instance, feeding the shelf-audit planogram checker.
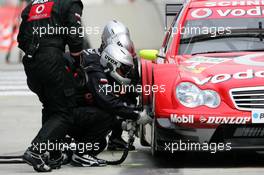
(249, 74)
(202, 13)
(40, 9)
(248, 60)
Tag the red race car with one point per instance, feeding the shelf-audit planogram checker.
(207, 80)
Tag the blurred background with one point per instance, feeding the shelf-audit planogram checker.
(144, 18)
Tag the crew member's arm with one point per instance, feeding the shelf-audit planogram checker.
(73, 22)
(107, 100)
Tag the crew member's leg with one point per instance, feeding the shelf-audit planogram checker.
(116, 142)
(92, 125)
(47, 74)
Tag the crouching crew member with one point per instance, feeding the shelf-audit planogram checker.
(99, 105)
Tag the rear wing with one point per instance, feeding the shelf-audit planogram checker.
(172, 10)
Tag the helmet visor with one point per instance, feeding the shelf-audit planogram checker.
(125, 71)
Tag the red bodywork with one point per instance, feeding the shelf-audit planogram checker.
(236, 70)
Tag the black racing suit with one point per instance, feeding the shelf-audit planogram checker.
(95, 117)
(115, 140)
(44, 63)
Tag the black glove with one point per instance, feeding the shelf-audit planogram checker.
(77, 61)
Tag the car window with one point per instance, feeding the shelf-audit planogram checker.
(171, 32)
(170, 35)
(222, 35)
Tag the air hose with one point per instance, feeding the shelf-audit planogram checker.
(126, 150)
(11, 160)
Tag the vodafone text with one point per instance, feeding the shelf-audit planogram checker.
(219, 78)
(202, 13)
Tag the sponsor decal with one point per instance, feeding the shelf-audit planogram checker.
(230, 12)
(207, 60)
(196, 70)
(40, 10)
(233, 3)
(179, 119)
(39, 1)
(203, 119)
(103, 81)
(248, 74)
(258, 116)
(195, 63)
(111, 60)
(225, 120)
(220, 78)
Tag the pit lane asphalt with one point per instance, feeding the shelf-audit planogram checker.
(20, 120)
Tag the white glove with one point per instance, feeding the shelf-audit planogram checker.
(128, 125)
(144, 118)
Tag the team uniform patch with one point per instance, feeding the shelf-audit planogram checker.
(103, 81)
(40, 11)
(78, 16)
(90, 51)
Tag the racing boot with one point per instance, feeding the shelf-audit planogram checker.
(67, 157)
(63, 159)
(67, 153)
(56, 162)
(38, 161)
(118, 144)
(87, 161)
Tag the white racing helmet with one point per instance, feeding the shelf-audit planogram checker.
(122, 40)
(118, 62)
(112, 28)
